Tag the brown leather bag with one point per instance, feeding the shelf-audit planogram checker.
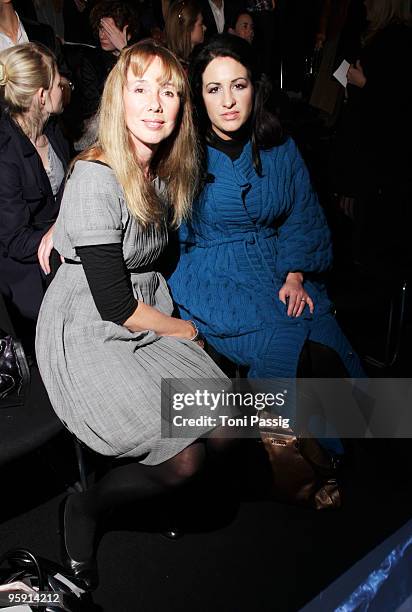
(303, 471)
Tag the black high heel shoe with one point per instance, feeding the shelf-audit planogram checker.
(82, 573)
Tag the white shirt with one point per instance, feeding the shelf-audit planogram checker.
(219, 15)
(6, 42)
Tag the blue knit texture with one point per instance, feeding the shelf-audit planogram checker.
(246, 233)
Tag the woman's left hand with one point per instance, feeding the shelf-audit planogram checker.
(356, 76)
(44, 250)
(298, 297)
(117, 37)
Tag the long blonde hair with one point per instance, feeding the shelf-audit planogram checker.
(177, 159)
(381, 13)
(24, 69)
(179, 24)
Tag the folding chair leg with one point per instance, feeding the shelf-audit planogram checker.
(390, 359)
(80, 464)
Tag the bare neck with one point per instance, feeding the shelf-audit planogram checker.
(218, 3)
(8, 19)
(26, 124)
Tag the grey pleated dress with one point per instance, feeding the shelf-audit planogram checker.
(103, 380)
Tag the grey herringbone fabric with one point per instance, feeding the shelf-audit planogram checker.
(103, 380)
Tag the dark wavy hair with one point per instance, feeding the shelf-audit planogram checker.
(122, 13)
(265, 128)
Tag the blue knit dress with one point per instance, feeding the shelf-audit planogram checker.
(246, 234)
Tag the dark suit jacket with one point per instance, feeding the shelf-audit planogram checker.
(93, 71)
(27, 210)
(230, 7)
(44, 34)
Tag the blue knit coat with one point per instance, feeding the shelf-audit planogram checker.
(246, 233)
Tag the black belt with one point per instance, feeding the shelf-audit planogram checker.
(141, 270)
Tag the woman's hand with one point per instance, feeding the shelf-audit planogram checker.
(148, 317)
(298, 297)
(44, 250)
(117, 37)
(356, 76)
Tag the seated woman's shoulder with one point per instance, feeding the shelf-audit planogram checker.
(91, 176)
(91, 167)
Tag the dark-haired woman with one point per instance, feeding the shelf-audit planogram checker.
(253, 256)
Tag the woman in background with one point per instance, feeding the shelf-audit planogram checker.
(184, 29)
(33, 160)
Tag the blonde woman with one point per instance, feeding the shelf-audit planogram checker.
(105, 336)
(184, 29)
(33, 159)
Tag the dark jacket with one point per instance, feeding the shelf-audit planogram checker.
(230, 7)
(372, 148)
(93, 72)
(44, 34)
(27, 210)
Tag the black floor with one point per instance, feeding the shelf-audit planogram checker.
(240, 551)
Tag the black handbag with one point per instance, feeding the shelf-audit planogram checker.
(14, 371)
(45, 584)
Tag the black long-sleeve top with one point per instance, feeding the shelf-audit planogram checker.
(109, 281)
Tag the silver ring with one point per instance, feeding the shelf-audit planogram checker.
(303, 300)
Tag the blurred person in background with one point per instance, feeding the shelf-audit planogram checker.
(115, 24)
(14, 30)
(371, 162)
(51, 12)
(241, 24)
(263, 12)
(184, 29)
(217, 13)
(33, 160)
(76, 21)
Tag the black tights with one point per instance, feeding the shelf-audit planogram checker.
(131, 482)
